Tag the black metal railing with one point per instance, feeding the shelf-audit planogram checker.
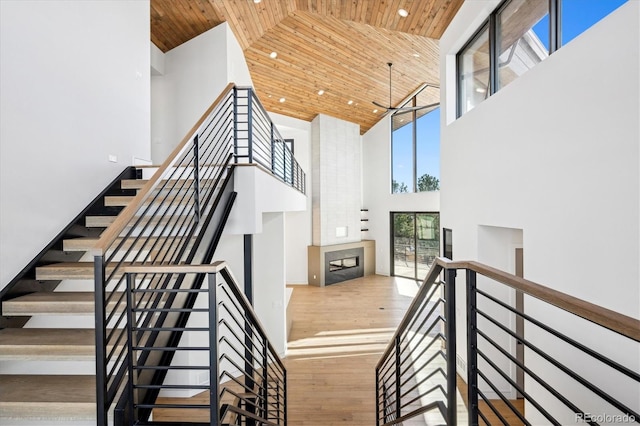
(564, 360)
(177, 218)
(263, 144)
(245, 378)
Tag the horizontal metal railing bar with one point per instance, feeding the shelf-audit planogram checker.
(191, 310)
(438, 321)
(186, 406)
(244, 413)
(199, 329)
(172, 367)
(424, 379)
(258, 386)
(421, 410)
(170, 348)
(236, 350)
(187, 387)
(518, 388)
(246, 388)
(492, 407)
(423, 394)
(174, 269)
(531, 374)
(569, 372)
(621, 368)
(419, 369)
(607, 318)
(413, 367)
(170, 290)
(128, 212)
(424, 321)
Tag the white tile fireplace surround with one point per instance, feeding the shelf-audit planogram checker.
(332, 264)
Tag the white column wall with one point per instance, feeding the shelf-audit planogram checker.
(74, 92)
(377, 196)
(556, 154)
(336, 186)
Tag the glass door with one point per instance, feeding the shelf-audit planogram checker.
(415, 243)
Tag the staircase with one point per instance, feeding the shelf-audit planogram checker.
(97, 350)
(55, 351)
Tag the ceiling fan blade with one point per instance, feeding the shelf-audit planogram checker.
(416, 108)
(380, 105)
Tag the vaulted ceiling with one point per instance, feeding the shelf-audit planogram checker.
(339, 46)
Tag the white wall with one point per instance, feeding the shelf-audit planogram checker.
(195, 73)
(556, 154)
(336, 181)
(377, 196)
(74, 91)
(269, 279)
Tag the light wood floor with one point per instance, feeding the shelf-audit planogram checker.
(339, 333)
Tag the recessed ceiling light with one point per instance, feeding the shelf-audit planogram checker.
(375, 111)
(481, 90)
(350, 102)
(403, 13)
(416, 55)
(320, 92)
(282, 99)
(273, 55)
(257, 1)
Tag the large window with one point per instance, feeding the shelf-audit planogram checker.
(516, 36)
(415, 141)
(415, 243)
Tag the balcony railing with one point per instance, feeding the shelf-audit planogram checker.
(533, 355)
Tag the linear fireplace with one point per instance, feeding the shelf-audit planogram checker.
(336, 263)
(342, 265)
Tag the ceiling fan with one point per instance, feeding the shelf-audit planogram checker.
(392, 109)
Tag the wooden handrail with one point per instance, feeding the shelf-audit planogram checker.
(612, 320)
(113, 231)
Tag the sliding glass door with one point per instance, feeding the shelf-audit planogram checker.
(415, 243)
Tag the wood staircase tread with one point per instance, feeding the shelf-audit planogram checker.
(87, 243)
(140, 183)
(68, 270)
(52, 303)
(28, 344)
(47, 397)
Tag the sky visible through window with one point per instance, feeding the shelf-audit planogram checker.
(428, 147)
(577, 16)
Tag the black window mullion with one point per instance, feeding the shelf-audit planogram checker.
(493, 53)
(555, 19)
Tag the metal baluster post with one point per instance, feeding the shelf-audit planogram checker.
(265, 376)
(472, 348)
(214, 367)
(450, 331)
(398, 379)
(101, 344)
(235, 125)
(377, 398)
(196, 178)
(130, 357)
(250, 124)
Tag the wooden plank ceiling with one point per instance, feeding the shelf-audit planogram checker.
(339, 46)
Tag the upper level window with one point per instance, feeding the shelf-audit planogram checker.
(516, 36)
(520, 25)
(415, 142)
(473, 71)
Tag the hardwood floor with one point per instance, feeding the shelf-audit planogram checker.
(339, 333)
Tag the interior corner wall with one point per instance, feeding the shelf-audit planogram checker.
(74, 92)
(377, 196)
(336, 185)
(195, 74)
(556, 154)
(297, 223)
(269, 279)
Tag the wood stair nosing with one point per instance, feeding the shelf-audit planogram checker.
(70, 270)
(50, 344)
(48, 397)
(54, 303)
